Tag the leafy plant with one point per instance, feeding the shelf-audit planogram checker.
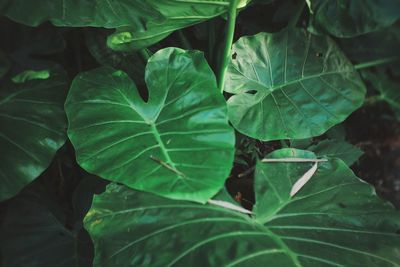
(166, 100)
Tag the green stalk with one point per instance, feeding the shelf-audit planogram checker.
(145, 54)
(376, 62)
(226, 55)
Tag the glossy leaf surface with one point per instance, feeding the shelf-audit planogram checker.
(140, 23)
(344, 18)
(290, 84)
(33, 127)
(33, 233)
(178, 144)
(334, 220)
(175, 15)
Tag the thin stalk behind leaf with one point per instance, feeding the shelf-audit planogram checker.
(376, 62)
(228, 43)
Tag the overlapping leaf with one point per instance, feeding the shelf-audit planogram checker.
(385, 45)
(337, 149)
(388, 88)
(140, 23)
(290, 84)
(178, 144)
(344, 18)
(334, 220)
(33, 233)
(33, 126)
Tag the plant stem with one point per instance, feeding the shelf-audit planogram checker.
(376, 62)
(226, 55)
(292, 23)
(145, 53)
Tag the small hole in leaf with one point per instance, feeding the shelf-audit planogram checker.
(318, 54)
(234, 55)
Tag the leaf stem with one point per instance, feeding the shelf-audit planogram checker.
(292, 23)
(226, 55)
(376, 62)
(145, 53)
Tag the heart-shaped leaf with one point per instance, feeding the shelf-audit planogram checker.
(178, 144)
(290, 84)
(344, 18)
(33, 126)
(335, 219)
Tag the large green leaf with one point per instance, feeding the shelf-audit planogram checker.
(33, 126)
(177, 144)
(103, 13)
(343, 18)
(33, 233)
(140, 23)
(290, 84)
(334, 220)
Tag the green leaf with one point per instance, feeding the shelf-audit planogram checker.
(178, 144)
(33, 233)
(131, 63)
(33, 128)
(343, 18)
(290, 85)
(334, 220)
(107, 14)
(387, 87)
(385, 44)
(337, 149)
(140, 23)
(31, 75)
(175, 15)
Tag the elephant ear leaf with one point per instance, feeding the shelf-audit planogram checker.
(343, 19)
(139, 23)
(175, 15)
(178, 144)
(290, 84)
(33, 126)
(334, 213)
